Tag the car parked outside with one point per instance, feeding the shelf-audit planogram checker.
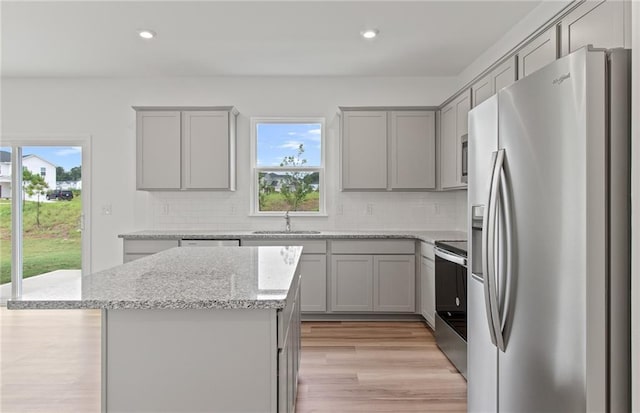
(60, 194)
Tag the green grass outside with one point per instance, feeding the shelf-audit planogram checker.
(53, 245)
(276, 202)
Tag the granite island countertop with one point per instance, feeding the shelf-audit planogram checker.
(185, 278)
(426, 235)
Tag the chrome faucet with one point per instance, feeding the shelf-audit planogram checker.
(287, 219)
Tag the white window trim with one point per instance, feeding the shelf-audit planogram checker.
(255, 169)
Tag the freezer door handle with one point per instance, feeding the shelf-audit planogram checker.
(491, 286)
(487, 239)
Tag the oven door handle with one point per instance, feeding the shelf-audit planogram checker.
(450, 257)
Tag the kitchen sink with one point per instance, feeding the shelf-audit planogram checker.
(286, 232)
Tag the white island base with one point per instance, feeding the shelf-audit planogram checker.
(198, 360)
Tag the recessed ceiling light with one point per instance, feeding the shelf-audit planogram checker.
(146, 34)
(369, 34)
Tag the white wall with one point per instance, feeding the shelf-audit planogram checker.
(102, 108)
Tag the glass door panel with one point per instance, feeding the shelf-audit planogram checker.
(5, 223)
(51, 223)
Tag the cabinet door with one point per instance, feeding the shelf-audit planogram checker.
(394, 280)
(601, 24)
(428, 290)
(504, 75)
(448, 148)
(314, 282)
(206, 150)
(351, 283)
(538, 53)
(482, 90)
(454, 127)
(413, 144)
(158, 150)
(364, 150)
(283, 379)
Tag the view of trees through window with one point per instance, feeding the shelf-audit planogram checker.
(289, 166)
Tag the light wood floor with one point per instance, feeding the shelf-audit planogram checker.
(50, 362)
(376, 367)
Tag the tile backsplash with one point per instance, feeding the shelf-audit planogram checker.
(347, 210)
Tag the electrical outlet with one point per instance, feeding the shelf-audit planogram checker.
(369, 209)
(164, 210)
(436, 209)
(233, 210)
(339, 209)
(106, 209)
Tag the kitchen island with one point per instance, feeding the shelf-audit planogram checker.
(196, 329)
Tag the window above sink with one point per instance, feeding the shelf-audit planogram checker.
(287, 166)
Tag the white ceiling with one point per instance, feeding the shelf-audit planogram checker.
(242, 38)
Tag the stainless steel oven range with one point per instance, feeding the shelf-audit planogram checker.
(451, 301)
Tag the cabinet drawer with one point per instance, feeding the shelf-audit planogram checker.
(144, 246)
(426, 250)
(308, 246)
(374, 247)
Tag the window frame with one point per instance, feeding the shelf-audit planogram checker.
(255, 169)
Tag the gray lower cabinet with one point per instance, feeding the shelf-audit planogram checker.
(314, 282)
(138, 248)
(427, 290)
(372, 283)
(394, 283)
(351, 283)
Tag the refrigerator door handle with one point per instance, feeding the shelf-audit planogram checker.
(507, 262)
(487, 240)
(492, 251)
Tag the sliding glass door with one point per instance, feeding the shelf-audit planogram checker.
(43, 205)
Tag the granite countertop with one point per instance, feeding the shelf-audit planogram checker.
(427, 236)
(185, 278)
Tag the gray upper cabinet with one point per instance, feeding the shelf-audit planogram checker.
(206, 150)
(599, 23)
(454, 127)
(505, 74)
(482, 90)
(500, 77)
(364, 150)
(413, 157)
(158, 149)
(388, 150)
(538, 53)
(185, 148)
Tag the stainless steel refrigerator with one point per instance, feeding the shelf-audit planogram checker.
(549, 264)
